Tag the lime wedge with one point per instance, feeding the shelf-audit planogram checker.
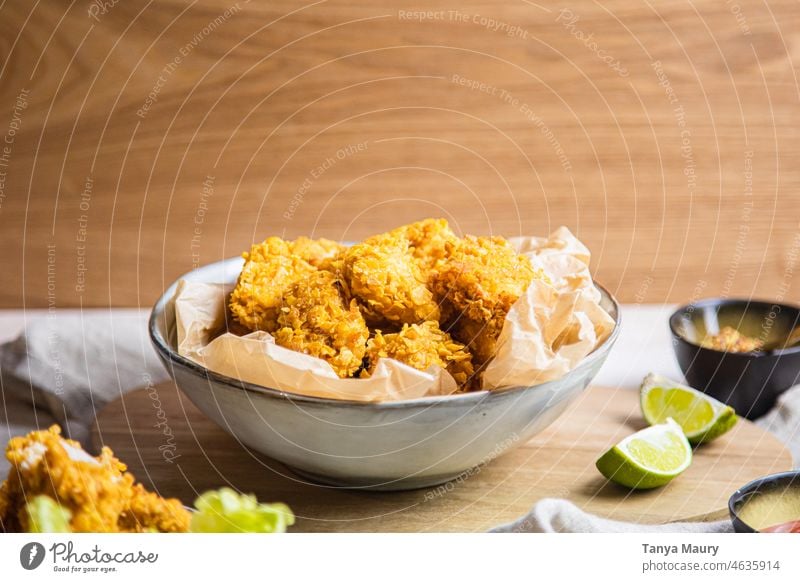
(650, 458)
(701, 417)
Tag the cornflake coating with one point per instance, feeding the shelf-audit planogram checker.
(5, 505)
(428, 240)
(317, 252)
(422, 346)
(149, 511)
(389, 285)
(97, 491)
(305, 292)
(316, 319)
(477, 285)
(480, 337)
(270, 270)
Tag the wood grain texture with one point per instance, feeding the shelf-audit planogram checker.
(559, 462)
(153, 137)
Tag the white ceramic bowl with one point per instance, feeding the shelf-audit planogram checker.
(380, 446)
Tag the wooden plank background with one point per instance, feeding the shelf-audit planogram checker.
(140, 139)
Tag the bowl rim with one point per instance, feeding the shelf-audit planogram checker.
(742, 492)
(709, 301)
(167, 352)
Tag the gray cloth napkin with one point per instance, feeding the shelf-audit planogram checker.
(65, 368)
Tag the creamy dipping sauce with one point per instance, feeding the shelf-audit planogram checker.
(773, 511)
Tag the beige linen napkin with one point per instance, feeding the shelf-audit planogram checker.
(562, 516)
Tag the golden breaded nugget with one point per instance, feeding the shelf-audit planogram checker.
(480, 337)
(317, 252)
(428, 240)
(270, 269)
(482, 278)
(315, 318)
(382, 274)
(149, 511)
(422, 346)
(5, 507)
(302, 291)
(95, 490)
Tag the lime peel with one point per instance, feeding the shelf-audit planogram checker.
(650, 458)
(701, 417)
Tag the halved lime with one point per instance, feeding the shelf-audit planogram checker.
(701, 417)
(650, 458)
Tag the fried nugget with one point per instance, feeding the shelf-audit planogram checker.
(95, 490)
(271, 268)
(149, 511)
(387, 282)
(428, 240)
(5, 507)
(422, 346)
(316, 318)
(480, 337)
(482, 278)
(317, 252)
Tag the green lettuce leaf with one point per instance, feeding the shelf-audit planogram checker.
(226, 511)
(45, 515)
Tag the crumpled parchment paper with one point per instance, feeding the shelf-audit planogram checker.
(547, 333)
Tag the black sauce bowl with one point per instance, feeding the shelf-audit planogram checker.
(771, 485)
(750, 382)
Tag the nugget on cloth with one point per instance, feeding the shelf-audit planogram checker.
(482, 278)
(95, 492)
(317, 318)
(428, 240)
(269, 271)
(422, 346)
(387, 282)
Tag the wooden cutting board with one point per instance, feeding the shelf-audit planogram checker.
(558, 462)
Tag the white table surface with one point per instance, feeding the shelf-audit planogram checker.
(644, 344)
